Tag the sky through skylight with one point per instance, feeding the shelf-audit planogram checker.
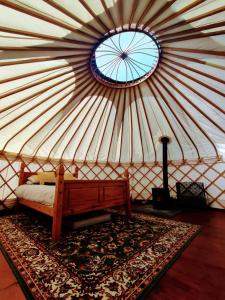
(127, 56)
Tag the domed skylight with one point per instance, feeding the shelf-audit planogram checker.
(127, 58)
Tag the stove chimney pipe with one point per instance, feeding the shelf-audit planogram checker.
(165, 140)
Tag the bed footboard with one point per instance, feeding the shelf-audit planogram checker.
(80, 196)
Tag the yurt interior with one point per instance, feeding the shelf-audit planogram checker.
(112, 149)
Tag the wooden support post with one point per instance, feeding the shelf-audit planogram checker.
(21, 177)
(58, 203)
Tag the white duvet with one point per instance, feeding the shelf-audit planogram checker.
(43, 194)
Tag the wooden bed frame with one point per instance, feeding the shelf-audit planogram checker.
(79, 196)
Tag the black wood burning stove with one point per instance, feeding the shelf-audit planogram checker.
(161, 196)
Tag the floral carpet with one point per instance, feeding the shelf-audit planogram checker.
(120, 259)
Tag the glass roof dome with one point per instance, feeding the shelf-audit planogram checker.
(125, 58)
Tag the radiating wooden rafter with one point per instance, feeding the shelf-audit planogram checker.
(42, 16)
(83, 86)
(159, 12)
(191, 102)
(166, 117)
(172, 111)
(184, 109)
(72, 16)
(194, 89)
(102, 90)
(110, 145)
(195, 60)
(38, 116)
(103, 95)
(106, 124)
(183, 33)
(191, 20)
(38, 82)
(148, 122)
(98, 124)
(177, 13)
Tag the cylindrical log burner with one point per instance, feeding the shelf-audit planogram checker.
(161, 196)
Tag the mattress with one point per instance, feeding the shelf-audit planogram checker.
(43, 194)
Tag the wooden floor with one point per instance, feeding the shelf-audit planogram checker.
(199, 274)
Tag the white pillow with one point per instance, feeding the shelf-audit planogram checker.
(29, 182)
(34, 179)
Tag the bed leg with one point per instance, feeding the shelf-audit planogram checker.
(58, 204)
(128, 197)
(56, 228)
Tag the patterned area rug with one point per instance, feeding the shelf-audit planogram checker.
(121, 259)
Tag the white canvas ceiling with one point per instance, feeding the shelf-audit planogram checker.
(52, 106)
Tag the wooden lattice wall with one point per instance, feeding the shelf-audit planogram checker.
(142, 177)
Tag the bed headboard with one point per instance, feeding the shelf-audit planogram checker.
(24, 175)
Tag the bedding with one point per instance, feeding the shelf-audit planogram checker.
(43, 194)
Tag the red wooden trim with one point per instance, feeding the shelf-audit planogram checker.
(41, 59)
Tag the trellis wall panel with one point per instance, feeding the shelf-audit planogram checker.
(142, 177)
